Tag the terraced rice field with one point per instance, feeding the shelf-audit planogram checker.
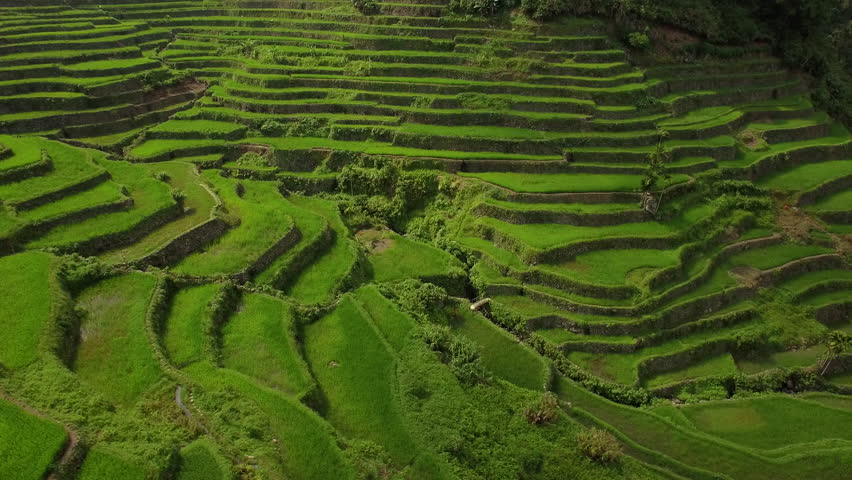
(242, 239)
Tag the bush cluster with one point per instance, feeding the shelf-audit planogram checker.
(77, 272)
(425, 302)
(485, 8)
(599, 445)
(366, 7)
(380, 193)
(458, 352)
(812, 35)
(544, 410)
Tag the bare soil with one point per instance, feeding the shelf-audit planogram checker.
(375, 240)
(746, 275)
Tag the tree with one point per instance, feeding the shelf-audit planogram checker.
(836, 344)
(656, 168)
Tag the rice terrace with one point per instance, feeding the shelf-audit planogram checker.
(425, 239)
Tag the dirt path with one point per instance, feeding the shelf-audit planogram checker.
(179, 401)
(186, 411)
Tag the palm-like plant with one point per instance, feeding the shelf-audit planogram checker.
(836, 344)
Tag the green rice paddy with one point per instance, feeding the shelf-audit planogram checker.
(241, 239)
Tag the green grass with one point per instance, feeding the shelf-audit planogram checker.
(718, 365)
(616, 267)
(579, 208)
(802, 282)
(28, 444)
(114, 356)
(622, 367)
(200, 460)
(837, 136)
(844, 379)
(696, 449)
(481, 132)
(262, 223)
(110, 64)
(401, 258)
(807, 176)
(258, 340)
(356, 373)
(559, 336)
(182, 338)
(382, 148)
(826, 298)
(316, 282)
(395, 326)
(840, 201)
(545, 235)
(775, 255)
(155, 147)
(198, 203)
(102, 194)
(526, 306)
(502, 354)
(770, 422)
(803, 357)
(149, 195)
(564, 182)
(310, 224)
(105, 464)
(198, 128)
(308, 446)
(25, 309)
(505, 257)
(25, 151)
(70, 166)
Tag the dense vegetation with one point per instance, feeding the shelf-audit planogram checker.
(474, 239)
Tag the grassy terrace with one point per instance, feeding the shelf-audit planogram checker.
(261, 226)
(262, 192)
(150, 197)
(29, 443)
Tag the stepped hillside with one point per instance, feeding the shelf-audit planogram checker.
(275, 239)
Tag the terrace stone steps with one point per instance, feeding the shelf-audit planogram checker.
(102, 115)
(60, 57)
(550, 213)
(138, 37)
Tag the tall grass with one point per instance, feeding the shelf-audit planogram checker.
(183, 337)
(25, 309)
(356, 374)
(114, 356)
(28, 444)
(258, 340)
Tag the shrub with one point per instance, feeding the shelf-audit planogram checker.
(309, 127)
(484, 8)
(254, 160)
(656, 168)
(366, 7)
(648, 102)
(77, 272)
(639, 41)
(544, 410)
(458, 352)
(752, 140)
(425, 302)
(358, 68)
(421, 102)
(162, 176)
(178, 196)
(272, 128)
(599, 445)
